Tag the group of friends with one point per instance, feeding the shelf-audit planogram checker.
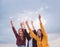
(39, 37)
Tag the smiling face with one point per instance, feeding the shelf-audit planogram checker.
(39, 32)
(20, 32)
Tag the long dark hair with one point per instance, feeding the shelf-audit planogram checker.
(22, 31)
(41, 34)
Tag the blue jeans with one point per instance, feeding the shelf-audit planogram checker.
(21, 46)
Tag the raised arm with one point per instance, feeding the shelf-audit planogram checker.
(42, 27)
(32, 25)
(21, 24)
(13, 28)
(33, 28)
(27, 35)
(31, 32)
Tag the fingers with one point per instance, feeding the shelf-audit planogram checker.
(11, 22)
(23, 23)
(32, 25)
(20, 23)
(39, 17)
(26, 22)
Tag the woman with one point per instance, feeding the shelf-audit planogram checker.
(28, 36)
(20, 38)
(41, 38)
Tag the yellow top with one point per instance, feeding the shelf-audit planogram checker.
(44, 42)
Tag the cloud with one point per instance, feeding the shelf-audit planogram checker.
(29, 10)
(30, 15)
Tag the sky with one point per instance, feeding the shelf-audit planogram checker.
(22, 10)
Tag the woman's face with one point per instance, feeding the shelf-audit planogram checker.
(39, 32)
(20, 32)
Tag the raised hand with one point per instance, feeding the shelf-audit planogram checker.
(20, 23)
(32, 25)
(23, 25)
(39, 17)
(26, 22)
(11, 23)
(32, 22)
